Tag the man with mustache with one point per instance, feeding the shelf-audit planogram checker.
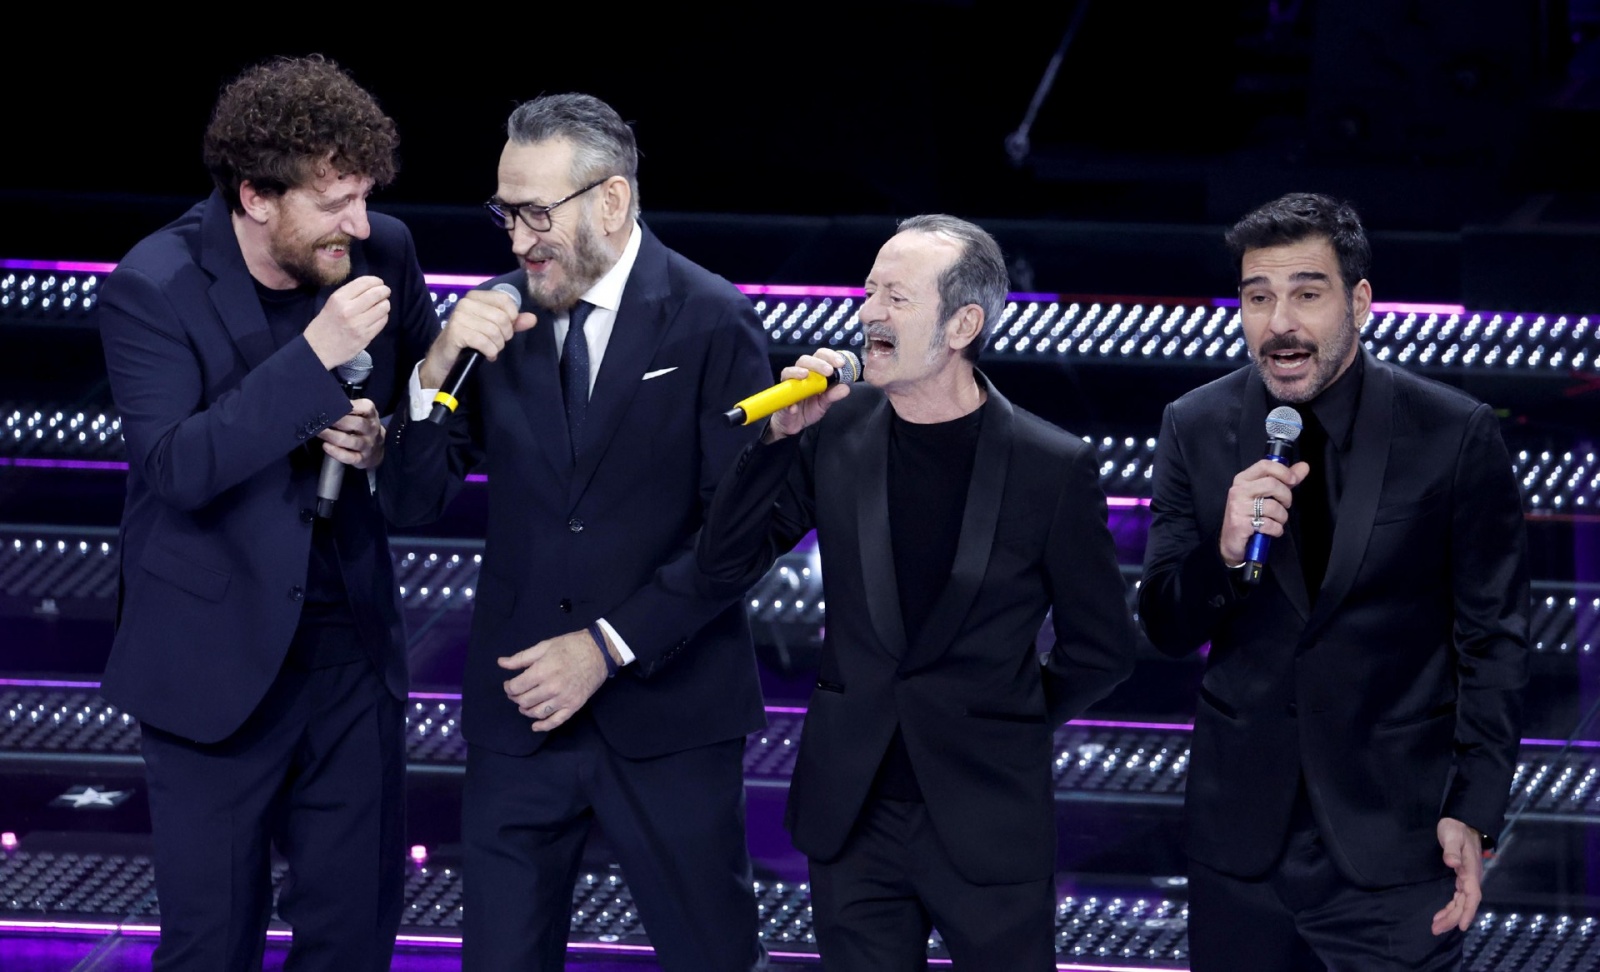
(949, 522)
(1357, 727)
(602, 684)
(259, 638)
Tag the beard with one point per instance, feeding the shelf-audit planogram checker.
(581, 266)
(299, 259)
(1327, 361)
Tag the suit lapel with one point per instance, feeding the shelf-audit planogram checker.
(978, 523)
(232, 291)
(1283, 562)
(640, 325)
(870, 463)
(1358, 502)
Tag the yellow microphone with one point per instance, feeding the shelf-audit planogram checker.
(791, 390)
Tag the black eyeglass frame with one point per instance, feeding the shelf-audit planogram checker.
(502, 214)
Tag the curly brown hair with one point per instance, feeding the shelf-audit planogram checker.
(278, 122)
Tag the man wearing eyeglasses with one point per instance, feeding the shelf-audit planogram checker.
(601, 684)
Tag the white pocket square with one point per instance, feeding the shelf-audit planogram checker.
(657, 374)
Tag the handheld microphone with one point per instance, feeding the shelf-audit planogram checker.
(791, 390)
(352, 374)
(1283, 427)
(445, 401)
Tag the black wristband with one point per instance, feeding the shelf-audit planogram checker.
(600, 643)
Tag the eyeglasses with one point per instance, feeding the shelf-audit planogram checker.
(536, 218)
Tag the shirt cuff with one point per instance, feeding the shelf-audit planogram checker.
(421, 398)
(616, 639)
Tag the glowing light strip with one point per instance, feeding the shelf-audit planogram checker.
(1404, 307)
(801, 710)
(58, 266)
(796, 290)
(102, 465)
(86, 928)
(467, 281)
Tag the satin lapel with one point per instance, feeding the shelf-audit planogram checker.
(871, 465)
(641, 323)
(232, 290)
(984, 491)
(1283, 561)
(1358, 503)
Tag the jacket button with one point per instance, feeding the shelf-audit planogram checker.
(575, 525)
(1292, 709)
(297, 593)
(565, 605)
(306, 516)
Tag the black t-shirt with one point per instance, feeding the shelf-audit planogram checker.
(318, 642)
(930, 467)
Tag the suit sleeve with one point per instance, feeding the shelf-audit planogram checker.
(762, 509)
(188, 440)
(676, 601)
(1187, 590)
(1489, 577)
(1094, 637)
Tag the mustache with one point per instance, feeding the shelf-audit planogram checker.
(541, 252)
(337, 239)
(880, 332)
(1285, 342)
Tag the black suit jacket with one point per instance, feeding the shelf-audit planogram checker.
(216, 531)
(612, 535)
(1398, 696)
(975, 704)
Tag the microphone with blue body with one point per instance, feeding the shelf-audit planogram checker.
(1283, 428)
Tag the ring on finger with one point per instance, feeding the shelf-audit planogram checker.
(1257, 510)
(1255, 523)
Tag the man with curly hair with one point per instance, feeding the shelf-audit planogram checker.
(259, 638)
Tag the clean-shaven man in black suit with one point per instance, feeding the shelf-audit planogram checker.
(259, 643)
(949, 522)
(602, 684)
(1357, 727)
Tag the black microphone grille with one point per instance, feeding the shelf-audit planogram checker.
(1283, 424)
(851, 370)
(356, 370)
(511, 290)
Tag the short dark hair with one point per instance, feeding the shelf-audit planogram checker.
(276, 123)
(602, 143)
(977, 276)
(1301, 216)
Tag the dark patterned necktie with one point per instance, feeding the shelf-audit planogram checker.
(1315, 520)
(575, 372)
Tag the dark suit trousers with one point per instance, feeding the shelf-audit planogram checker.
(676, 823)
(874, 906)
(319, 770)
(1303, 916)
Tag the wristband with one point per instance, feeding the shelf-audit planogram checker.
(600, 642)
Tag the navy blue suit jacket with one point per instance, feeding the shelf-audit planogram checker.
(611, 535)
(1396, 693)
(216, 531)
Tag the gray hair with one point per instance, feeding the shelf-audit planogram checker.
(978, 276)
(602, 143)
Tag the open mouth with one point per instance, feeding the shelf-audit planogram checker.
(880, 341)
(1289, 361)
